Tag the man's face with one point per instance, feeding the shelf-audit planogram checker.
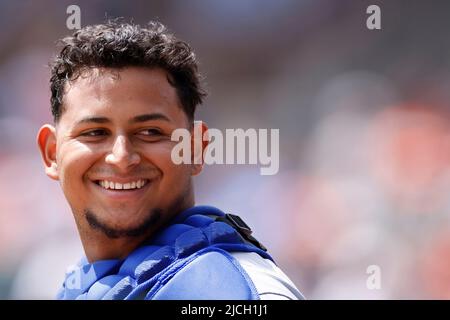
(113, 150)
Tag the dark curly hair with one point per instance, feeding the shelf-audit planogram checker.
(118, 45)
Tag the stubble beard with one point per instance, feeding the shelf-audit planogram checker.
(154, 218)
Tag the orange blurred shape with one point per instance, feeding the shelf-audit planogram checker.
(434, 267)
(410, 152)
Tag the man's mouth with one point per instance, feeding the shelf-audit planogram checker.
(132, 185)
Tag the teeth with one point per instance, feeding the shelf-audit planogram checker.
(119, 186)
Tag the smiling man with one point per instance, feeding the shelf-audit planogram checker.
(118, 93)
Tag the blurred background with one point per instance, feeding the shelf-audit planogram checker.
(364, 137)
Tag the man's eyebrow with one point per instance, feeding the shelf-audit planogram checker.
(140, 118)
(93, 120)
(149, 117)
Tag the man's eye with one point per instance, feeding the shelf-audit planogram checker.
(150, 132)
(94, 133)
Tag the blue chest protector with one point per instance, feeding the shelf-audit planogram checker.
(189, 259)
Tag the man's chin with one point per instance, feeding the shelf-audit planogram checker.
(109, 227)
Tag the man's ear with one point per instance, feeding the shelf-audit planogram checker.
(46, 140)
(198, 146)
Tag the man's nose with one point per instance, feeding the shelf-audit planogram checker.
(123, 154)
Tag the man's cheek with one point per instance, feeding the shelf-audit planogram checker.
(72, 179)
